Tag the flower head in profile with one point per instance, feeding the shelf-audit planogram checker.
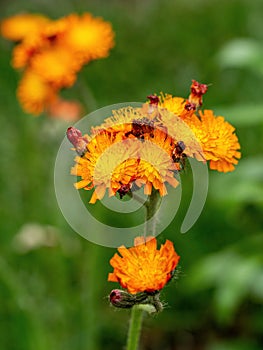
(54, 51)
(144, 268)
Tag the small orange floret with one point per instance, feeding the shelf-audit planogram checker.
(144, 268)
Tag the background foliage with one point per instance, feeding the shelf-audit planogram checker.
(53, 285)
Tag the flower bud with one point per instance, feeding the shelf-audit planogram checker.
(154, 100)
(197, 92)
(78, 141)
(121, 299)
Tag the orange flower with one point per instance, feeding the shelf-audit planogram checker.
(106, 164)
(90, 38)
(57, 66)
(144, 268)
(156, 166)
(219, 143)
(34, 94)
(18, 27)
(123, 154)
(205, 137)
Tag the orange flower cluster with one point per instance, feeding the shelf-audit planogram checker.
(147, 146)
(52, 52)
(144, 268)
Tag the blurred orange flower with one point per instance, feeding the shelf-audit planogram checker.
(18, 27)
(34, 94)
(88, 37)
(144, 268)
(54, 51)
(57, 66)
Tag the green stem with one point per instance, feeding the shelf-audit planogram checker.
(135, 328)
(151, 206)
(90, 296)
(87, 96)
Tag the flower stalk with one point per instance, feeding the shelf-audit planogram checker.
(135, 328)
(151, 205)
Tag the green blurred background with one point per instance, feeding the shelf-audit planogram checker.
(53, 283)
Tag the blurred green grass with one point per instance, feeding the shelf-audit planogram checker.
(48, 295)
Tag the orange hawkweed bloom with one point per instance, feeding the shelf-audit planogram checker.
(50, 66)
(144, 268)
(219, 143)
(106, 164)
(156, 166)
(89, 37)
(208, 138)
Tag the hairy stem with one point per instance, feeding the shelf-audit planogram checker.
(135, 328)
(151, 205)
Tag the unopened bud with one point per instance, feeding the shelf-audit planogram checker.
(120, 298)
(154, 100)
(197, 91)
(78, 141)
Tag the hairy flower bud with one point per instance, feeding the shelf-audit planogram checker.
(78, 141)
(197, 92)
(120, 298)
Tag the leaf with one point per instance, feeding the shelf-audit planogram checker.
(242, 53)
(242, 115)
